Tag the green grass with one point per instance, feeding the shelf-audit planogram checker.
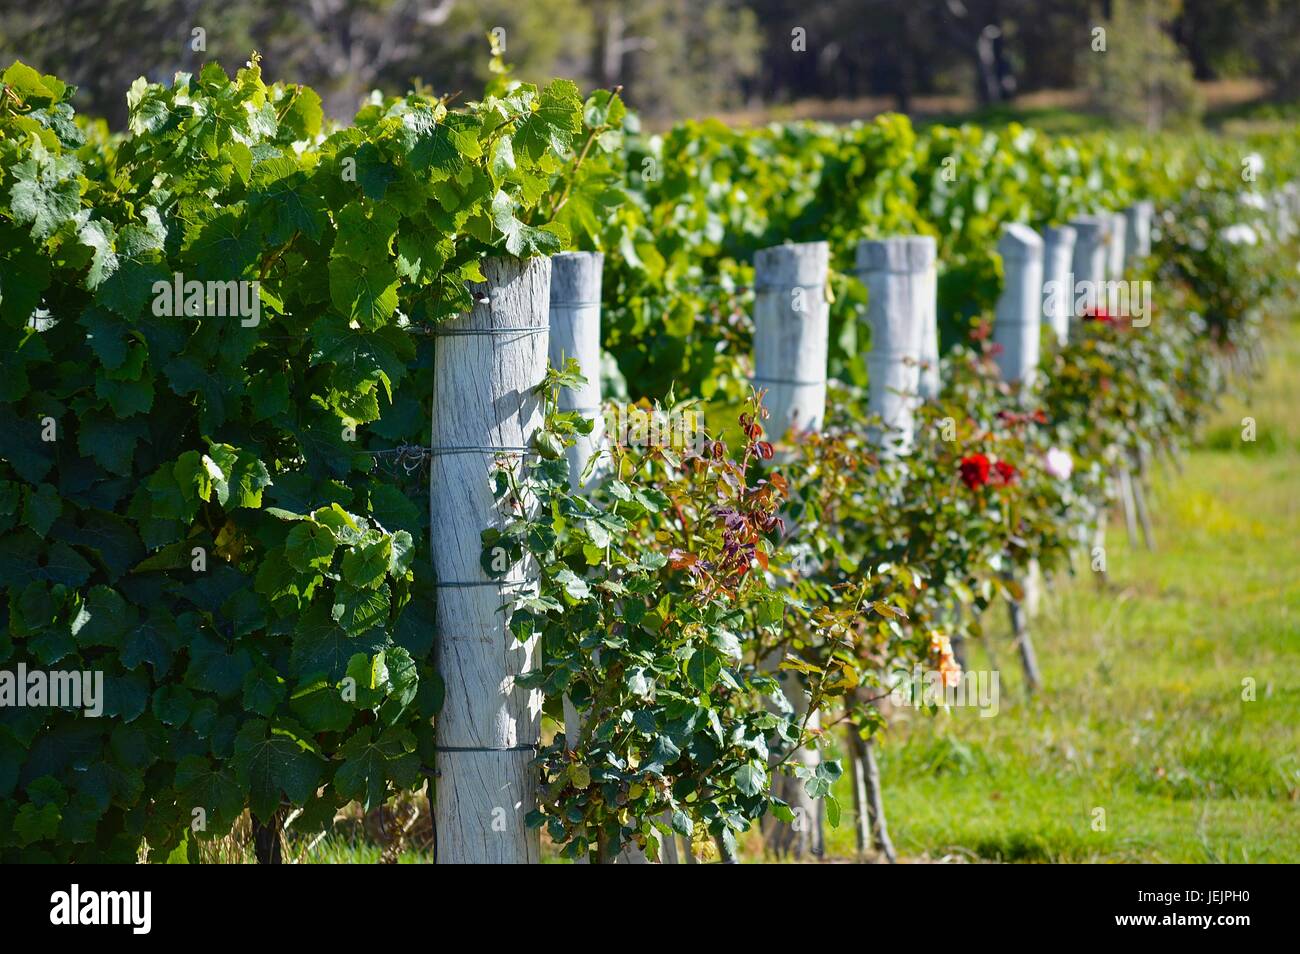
(1142, 714)
(332, 850)
(337, 850)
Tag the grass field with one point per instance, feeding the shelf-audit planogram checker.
(1143, 714)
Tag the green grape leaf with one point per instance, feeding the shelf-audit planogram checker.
(553, 124)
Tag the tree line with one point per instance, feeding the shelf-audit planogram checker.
(679, 57)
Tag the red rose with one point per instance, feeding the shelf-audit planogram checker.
(1006, 473)
(975, 470)
(1099, 314)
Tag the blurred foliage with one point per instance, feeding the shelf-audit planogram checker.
(674, 57)
(345, 48)
(703, 197)
(1141, 77)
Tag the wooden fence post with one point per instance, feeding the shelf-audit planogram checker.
(1089, 265)
(1016, 329)
(896, 272)
(268, 841)
(1130, 236)
(1137, 235)
(902, 278)
(1290, 207)
(1115, 245)
(486, 364)
(1139, 217)
(1018, 321)
(1279, 207)
(899, 275)
(791, 328)
(1058, 280)
(791, 324)
(575, 333)
(929, 384)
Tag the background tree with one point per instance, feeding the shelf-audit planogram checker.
(1271, 37)
(1142, 76)
(673, 55)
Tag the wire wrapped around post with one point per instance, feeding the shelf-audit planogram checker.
(487, 364)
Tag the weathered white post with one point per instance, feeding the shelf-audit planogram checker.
(575, 333)
(1137, 236)
(1124, 481)
(1018, 321)
(929, 384)
(1115, 245)
(1278, 205)
(1140, 502)
(1288, 212)
(486, 364)
(899, 275)
(1291, 208)
(1089, 265)
(791, 325)
(1016, 328)
(1133, 233)
(1133, 228)
(896, 272)
(1058, 280)
(791, 329)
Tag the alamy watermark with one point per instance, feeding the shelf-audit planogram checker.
(947, 687)
(195, 299)
(679, 429)
(57, 689)
(74, 907)
(1118, 299)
